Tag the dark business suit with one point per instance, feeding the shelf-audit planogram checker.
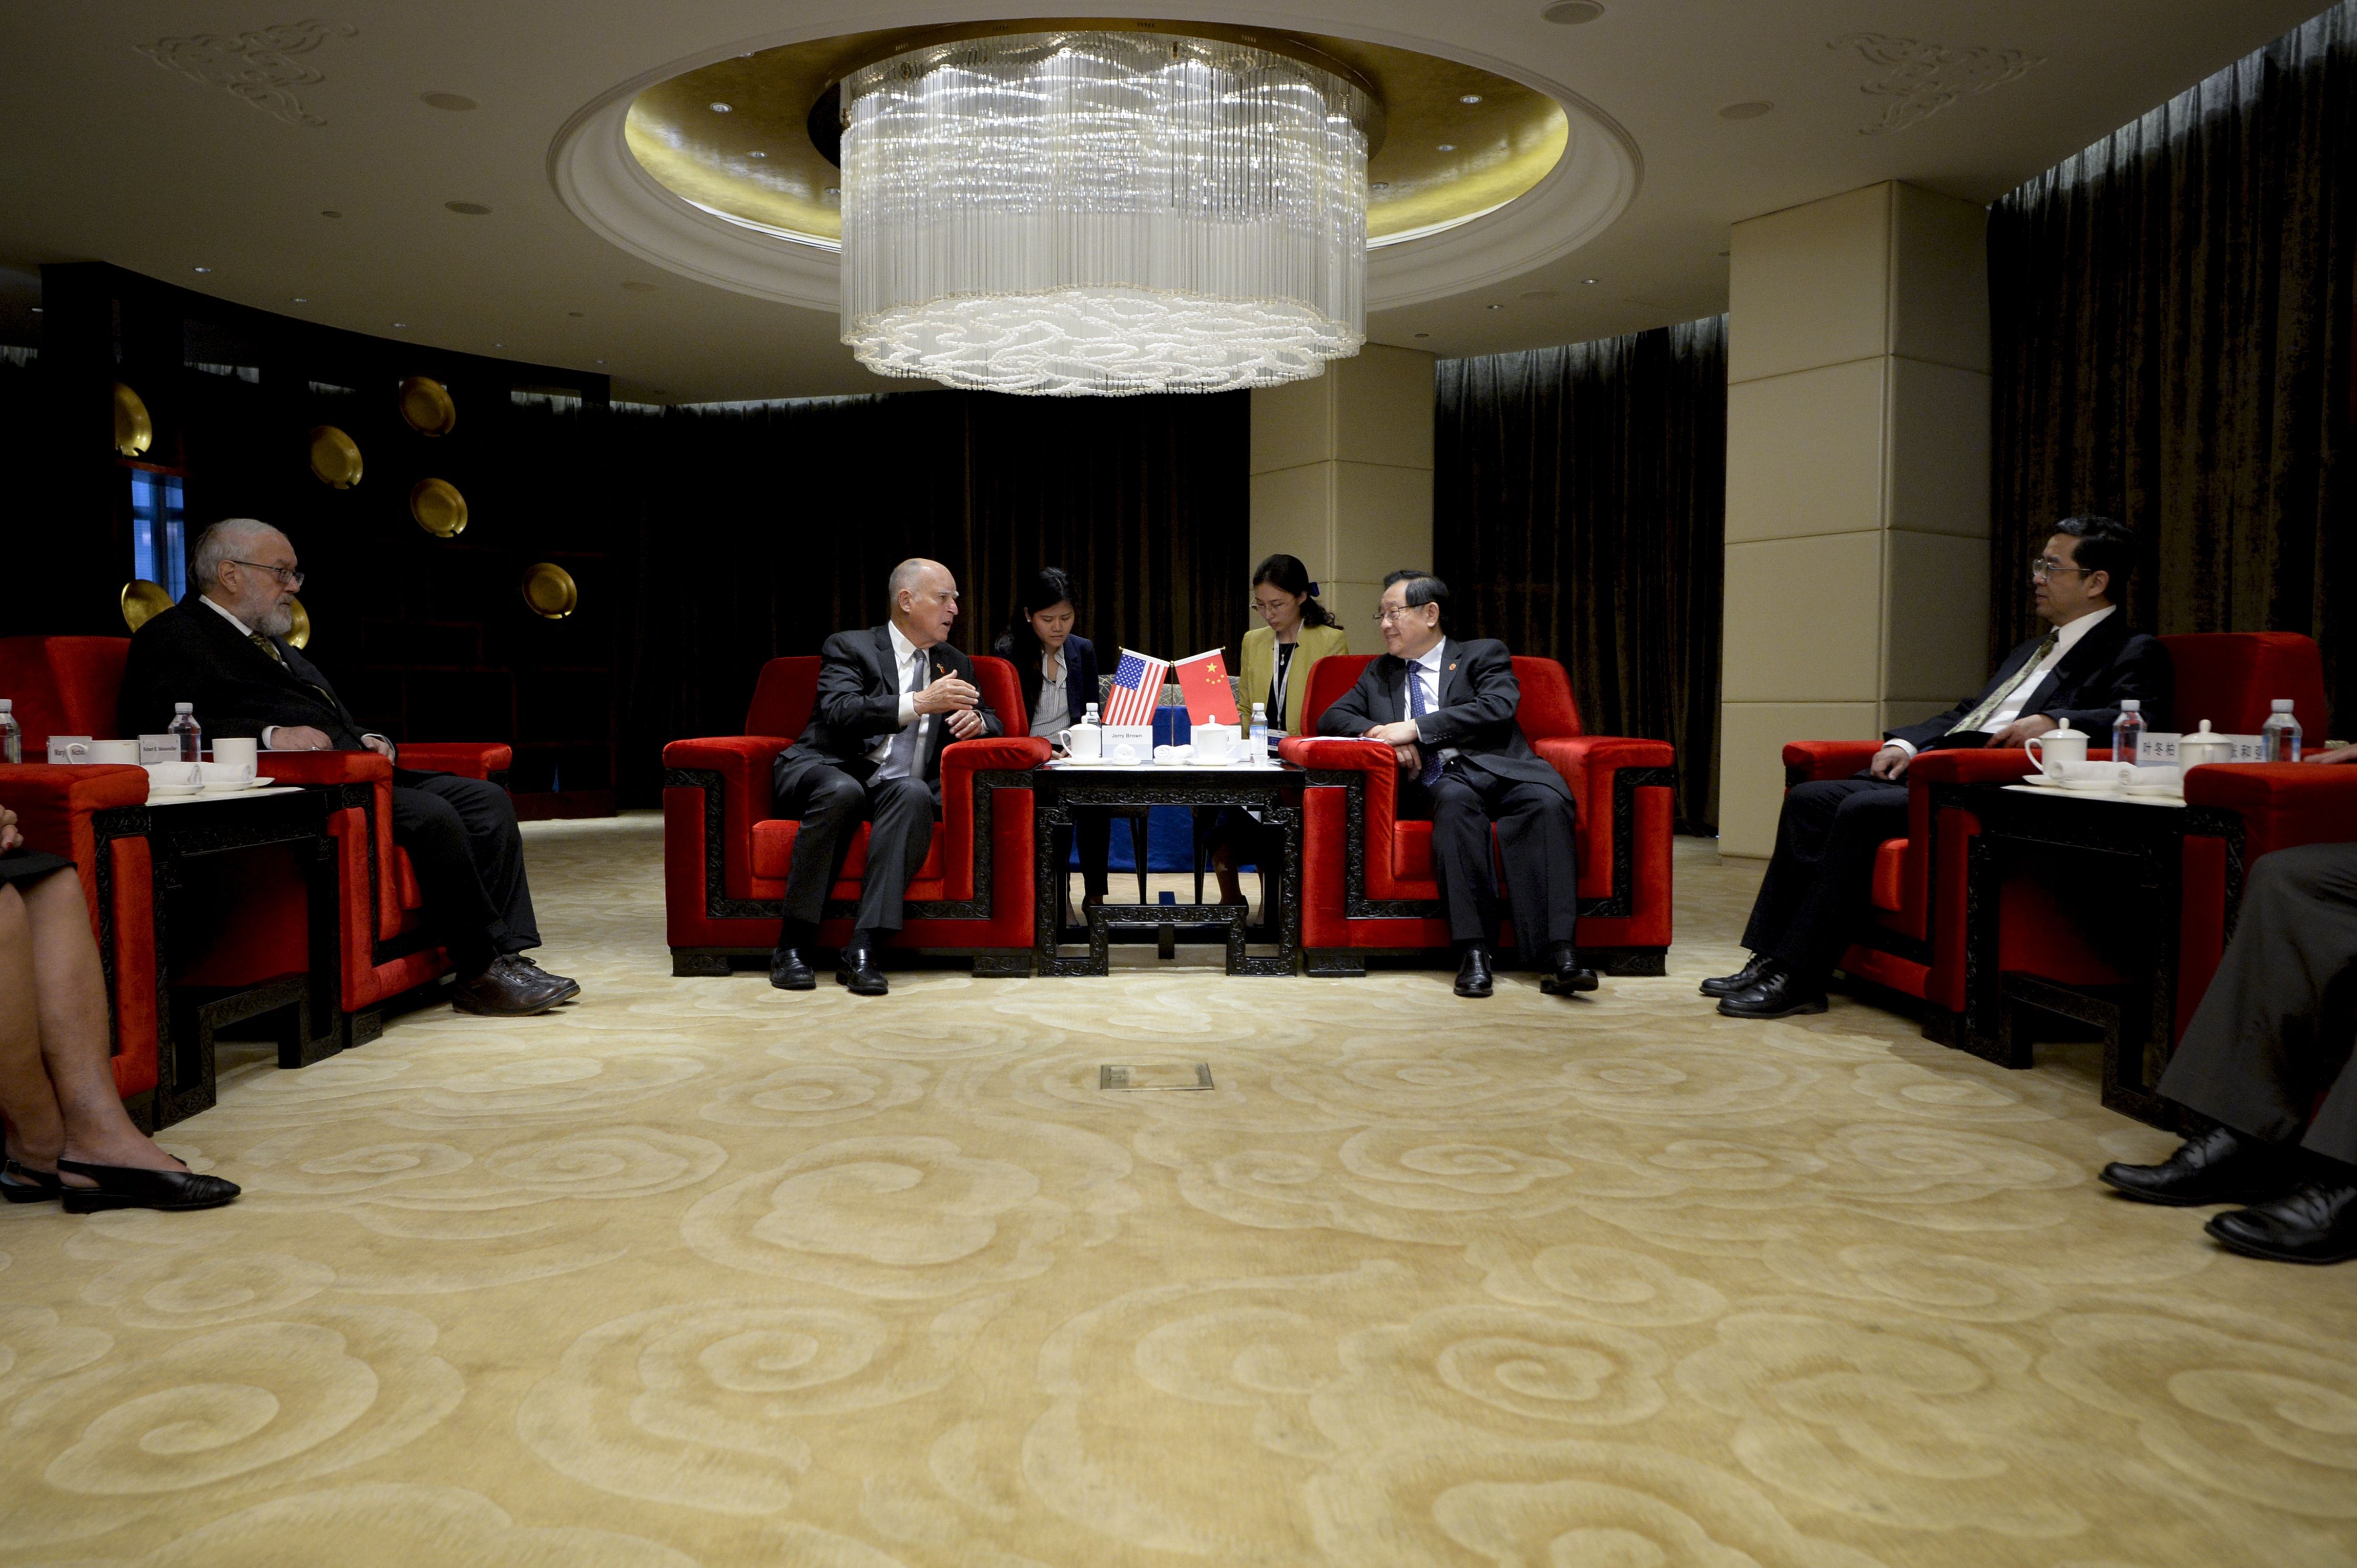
(460, 833)
(1495, 776)
(1819, 883)
(827, 779)
(1093, 825)
(2267, 1051)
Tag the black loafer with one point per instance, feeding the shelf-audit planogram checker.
(567, 988)
(858, 972)
(2220, 1166)
(1568, 977)
(1473, 977)
(788, 971)
(1743, 979)
(2317, 1224)
(124, 1186)
(1780, 994)
(19, 1184)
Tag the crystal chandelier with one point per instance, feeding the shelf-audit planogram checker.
(1103, 213)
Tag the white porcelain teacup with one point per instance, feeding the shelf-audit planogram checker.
(237, 751)
(1083, 743)
(119, 752)
(1214, 742)
(2060, 745)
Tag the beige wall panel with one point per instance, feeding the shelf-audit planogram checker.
(1354, 602)
(1899, 716)
(1751, 737)
(1803, 620)
(1382, 520)
(1940, 290)
(1804, 453)
(1293, 511)
(1939, 449)
(1293, 424)
(1384, 406)
(1936, 645)
(1807, 286)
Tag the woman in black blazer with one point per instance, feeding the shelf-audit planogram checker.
(1058, 670)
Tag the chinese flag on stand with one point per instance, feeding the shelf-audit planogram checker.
(1203, 681)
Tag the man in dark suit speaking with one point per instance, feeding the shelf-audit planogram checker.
(1446, 710)
(224, 650)
(1819, 883)
(889, 698)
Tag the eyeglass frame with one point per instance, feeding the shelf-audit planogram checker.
(1384, 617)
(288, 576)
(2045, 567)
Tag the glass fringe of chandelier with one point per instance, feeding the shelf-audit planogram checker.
(1102, 214)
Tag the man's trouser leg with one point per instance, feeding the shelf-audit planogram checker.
(1820, 881)
(1460, 852)
(899, 832)
(1537, 841)
(829, 804)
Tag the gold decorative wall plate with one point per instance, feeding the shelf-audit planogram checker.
(335, 457)
(549, 590)
(438, 507)
(299, 634)
(141, 600)
(133, 431)
(426, 406)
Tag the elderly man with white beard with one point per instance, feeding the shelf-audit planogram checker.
(224, 650)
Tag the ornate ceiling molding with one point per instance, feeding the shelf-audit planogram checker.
(258, 68)
(1924, 78)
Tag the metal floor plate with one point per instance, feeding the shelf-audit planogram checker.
(1165, 1075)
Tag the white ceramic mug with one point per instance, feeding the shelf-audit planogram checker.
(66, 749)
(1081, 743)
(122, 753)
(237, 752)
(2056, 745)
(1214, 742)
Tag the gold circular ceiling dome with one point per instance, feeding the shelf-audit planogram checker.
(752, 139)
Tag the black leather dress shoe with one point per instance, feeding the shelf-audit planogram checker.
(2220, 1166)
(124, 1187)
(502, 992)
(1566, 976)
(788, 971)
(567, 988)
(1781, 993)
(2317, 1224)
(1473, 977)
(859, 972)
(1743, 979)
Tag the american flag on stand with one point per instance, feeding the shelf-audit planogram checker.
(1136, 689)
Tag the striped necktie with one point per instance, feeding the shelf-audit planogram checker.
(1416, 710)
(1997, 699)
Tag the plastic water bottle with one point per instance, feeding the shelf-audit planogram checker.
(2127, 732)
(1259, 751)
(184, 727)
(12, 736)
(2279, 736)
(1090, 717)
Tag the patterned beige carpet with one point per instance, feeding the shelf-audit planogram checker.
(697, 1273)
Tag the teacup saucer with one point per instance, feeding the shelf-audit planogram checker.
(2041, 779)
(234, 788)
(155, 789)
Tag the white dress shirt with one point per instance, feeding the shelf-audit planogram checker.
(246, 631)
(1425, 671)
(1053, 714)
(908, 660)
(2066, 637)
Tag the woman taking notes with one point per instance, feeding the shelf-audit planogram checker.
(1273, 671)
(1059, 672)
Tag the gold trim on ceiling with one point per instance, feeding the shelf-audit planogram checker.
(335, 457)
(549, 590)
(133, 431)
(438, 507)
(426, 408)
(1498, 147)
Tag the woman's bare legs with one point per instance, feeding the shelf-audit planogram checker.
(37, 1132)
(69, 990)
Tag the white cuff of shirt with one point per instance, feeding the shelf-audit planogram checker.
(371, 734)
(908, 709)
(1907, 746)
(267, 731)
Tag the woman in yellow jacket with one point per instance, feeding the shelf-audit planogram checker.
(1274, 670)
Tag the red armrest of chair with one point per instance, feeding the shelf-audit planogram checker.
(745, 763)
(961, 760)
(47, 798)
(1325, 751)
(1588, 761)
(1810, 761)
(2281, 803)
(467, 759)
(312, 768)
(2004, 765)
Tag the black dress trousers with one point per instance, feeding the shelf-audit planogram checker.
(1819, 882)
(2267, 1051)
(464, 844)
(831, 803)
(1535, 839)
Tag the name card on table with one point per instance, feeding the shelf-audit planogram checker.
(2160, 749)
(1139, 738)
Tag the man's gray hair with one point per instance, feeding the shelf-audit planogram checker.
(909, 574)
(225, 541)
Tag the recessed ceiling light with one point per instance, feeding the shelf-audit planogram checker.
(720, 109)
(1493, 308)
(37, 310)
(1379, 184)
(834, 190)
(1751, 109)
(1448, 146)
(300, 300)
(1424, 334)
(469, 209)
(331, 215)
(601, 362)
(204, 269)
(1469, 98)
(574, 313)
(499, 345)
(757, 153)
(1571, 13)
(1588, 279)
(401, 326)
(454, 102)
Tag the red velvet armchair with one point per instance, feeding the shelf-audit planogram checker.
(1915, 944)
(726, 857)
(1367, 883)
(383, 950)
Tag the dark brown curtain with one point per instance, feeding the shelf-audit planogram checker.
(1579, 502)
(743, 533)
(2170, 321)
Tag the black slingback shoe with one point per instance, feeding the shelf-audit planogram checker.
(125, 1186)
(18, 1185)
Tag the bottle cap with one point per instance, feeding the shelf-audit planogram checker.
(183, 707)
(8, 704)
(2131, 705)
(2282, 705)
